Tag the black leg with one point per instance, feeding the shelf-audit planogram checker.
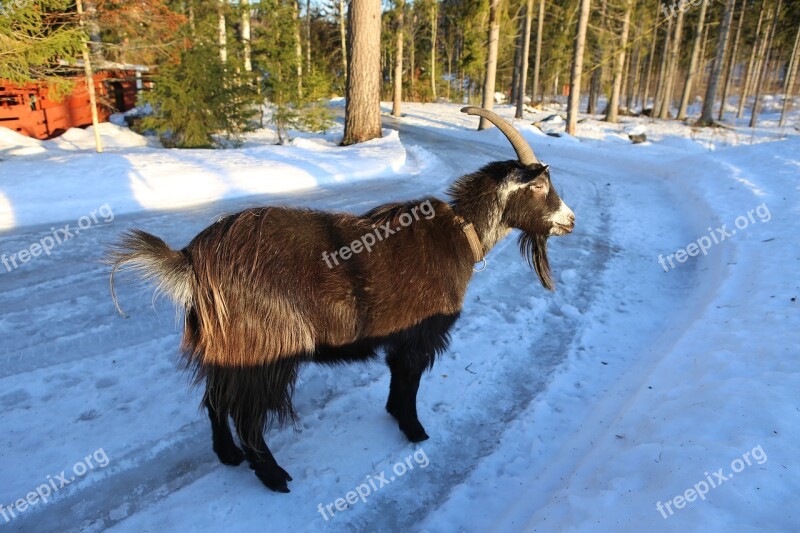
(224, 446)
(406, 368)
(260, 457)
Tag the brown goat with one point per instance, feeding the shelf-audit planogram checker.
(261, 295)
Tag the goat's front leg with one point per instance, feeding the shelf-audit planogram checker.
(407, 368)
(260, 457)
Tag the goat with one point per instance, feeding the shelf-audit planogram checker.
(260, 295)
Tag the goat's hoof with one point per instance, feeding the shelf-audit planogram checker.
(415, 432)
(231, 456)
(273, 477)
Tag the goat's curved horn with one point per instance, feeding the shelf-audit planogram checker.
(518, 142)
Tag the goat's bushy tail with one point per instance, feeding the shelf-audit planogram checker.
(152, 260)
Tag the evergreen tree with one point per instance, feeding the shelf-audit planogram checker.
(34, 36)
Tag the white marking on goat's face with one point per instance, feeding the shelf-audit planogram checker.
(534, 205)
(563, 220)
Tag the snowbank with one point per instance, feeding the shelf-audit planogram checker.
(133, 175)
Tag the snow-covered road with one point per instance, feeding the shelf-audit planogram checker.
(75, 377)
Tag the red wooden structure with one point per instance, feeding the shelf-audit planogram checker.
(30, 110)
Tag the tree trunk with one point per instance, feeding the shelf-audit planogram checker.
(693, 63)
(222, 32)
(491, 62)
(707, 118)
(731, 64)
(246, 45)
(434, 32)
(526, 51)
(672, 69)
(517, 64)
(538, 62)
(298, 47)
(612, 110)
(308, 36)
(650, 61)
(398, 62)
(577, 68)
(750, 65)
(343, 35)
(362, 120)
(760, 82)
(598, 57)
(662, 72)
(413, 53)
(791, 72)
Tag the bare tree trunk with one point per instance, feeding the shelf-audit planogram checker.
(693, 62)
(491, 62)
(87, 67)
(760, 82)
(413, 53)
(731, 64)
(707, 118)
(190, 16)
(222, 32)
(672, 68)
(538, 62)
(362, 120)
(298, 46)
(612, 110)
(598, 57)
(650, 60)
(662, 72)
(343, 35)
(577, 68)
(746, 84)
(791, 72)
(434, 32)
(517, 63)
(246, 45)
(526, 51)
(398, 62)
(308, 36)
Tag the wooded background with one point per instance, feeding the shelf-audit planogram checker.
(215, 60)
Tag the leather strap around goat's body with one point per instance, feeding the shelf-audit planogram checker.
(472, 236)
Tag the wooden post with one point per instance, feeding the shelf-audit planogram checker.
(87, 65)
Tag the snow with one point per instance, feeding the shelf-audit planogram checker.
(581, 410)
(133, 175)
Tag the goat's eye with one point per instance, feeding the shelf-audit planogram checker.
(537, 187)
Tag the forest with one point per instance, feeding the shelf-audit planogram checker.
(214, 62)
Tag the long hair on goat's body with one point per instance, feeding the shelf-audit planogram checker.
(252, 296)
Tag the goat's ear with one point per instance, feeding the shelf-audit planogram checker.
(536, 172)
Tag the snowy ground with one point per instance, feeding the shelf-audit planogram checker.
(628, 388)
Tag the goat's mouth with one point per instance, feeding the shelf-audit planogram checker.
(562, 229)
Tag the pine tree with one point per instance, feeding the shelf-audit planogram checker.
(34, 36)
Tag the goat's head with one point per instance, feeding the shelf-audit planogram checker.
(527, 198)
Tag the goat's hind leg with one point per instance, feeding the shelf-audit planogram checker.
(255, 395)
(224, 445)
